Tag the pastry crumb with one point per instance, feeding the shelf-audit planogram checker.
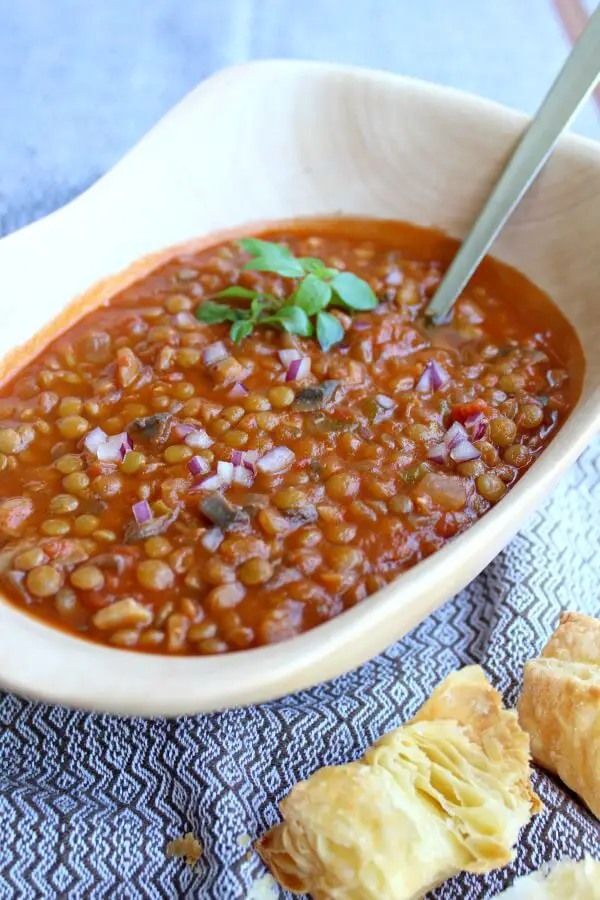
(244, 840)
(187, 847)
(264, 888)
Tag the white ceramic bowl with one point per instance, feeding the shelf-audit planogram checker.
(277, 140)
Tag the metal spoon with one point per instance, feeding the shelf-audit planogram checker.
(576, 80)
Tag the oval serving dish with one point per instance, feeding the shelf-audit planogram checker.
(341, 141)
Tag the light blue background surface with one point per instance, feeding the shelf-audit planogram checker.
(81, 82)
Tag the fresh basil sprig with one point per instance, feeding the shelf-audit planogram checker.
(303, 311)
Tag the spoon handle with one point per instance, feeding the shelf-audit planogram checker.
(574, 83)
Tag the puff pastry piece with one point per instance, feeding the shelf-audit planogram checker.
(560, 706)
(449, 791)
(566, 880)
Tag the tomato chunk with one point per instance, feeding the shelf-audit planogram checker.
(464, 411)
(447, 491)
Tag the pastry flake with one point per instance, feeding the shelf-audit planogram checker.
(564, 880)
(560, 706)
(447, 792)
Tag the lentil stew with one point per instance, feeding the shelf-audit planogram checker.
(167, 490)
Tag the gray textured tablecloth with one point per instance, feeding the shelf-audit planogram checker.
(88, 803)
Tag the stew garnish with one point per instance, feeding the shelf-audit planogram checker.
(300, 312)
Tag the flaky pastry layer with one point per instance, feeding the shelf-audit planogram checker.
(447, 792)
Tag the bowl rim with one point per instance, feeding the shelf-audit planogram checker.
(275, 670)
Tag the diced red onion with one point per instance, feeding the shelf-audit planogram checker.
(121, 438)
(198, 440)
(425, 383)
(238, 390)
(181, 430)
(438, 453)
(395, 278)
(198, 466)
(288, 356)
(245, 458)
(243, 475)
(109, 452)
(455, 435)
(464, 452)
(360, 325)
(211, 540)
(439, 375)
(385, 402)
(298, 368)
(458, 445)
(432, 378)
(142, 512)
(276, 460)
(476, 426)
(94, 439)
(214, 353)
(225, 472)
(212, 483)
(108, 449)
(122, 442)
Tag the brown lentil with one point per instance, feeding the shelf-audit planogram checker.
(255, 571)
(155, 575)
(43, 581)
(491, 487)
(503, 431)
(72, 427)
(87, 578)
(530, 415)
(517, 455)
(86, 525)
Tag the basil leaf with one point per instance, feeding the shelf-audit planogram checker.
(268, 257)
(316, 267)
(288, 268)
(240, 330)
(312, 295)
(292, 319)
(213, 313)
(329, 330)
(353, 291)
(260, 305)
(237, 291)
(257, 247)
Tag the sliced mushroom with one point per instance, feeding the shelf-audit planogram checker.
(220, 511)
(156, 428)
(135, 532)
(303, 515)
(316, 396)
(325, 424)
